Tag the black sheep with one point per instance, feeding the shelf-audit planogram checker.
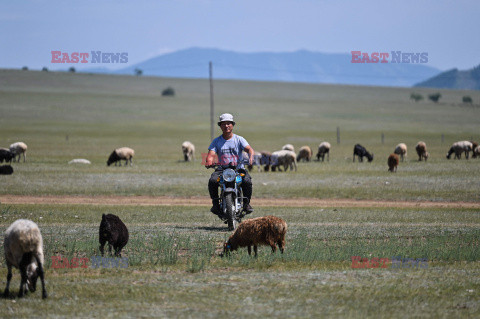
(113, 231)
(6, 155)
(6, 170)
(360, 151)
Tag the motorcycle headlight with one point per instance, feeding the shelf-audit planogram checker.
(229, 175)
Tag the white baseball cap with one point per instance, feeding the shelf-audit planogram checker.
(226, 117)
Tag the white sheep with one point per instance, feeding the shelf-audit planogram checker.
(288, 147)
(421, 149)
(285, 158)
(305, 153)
(122, 153)
(401, 149)
(23, 247)
(188, 150)
(18, 149)
(79, 161)
(323, 148)
(458, 148)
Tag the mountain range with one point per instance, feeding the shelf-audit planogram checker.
(455, 79)
(298, 66)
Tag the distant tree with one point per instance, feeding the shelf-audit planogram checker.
(25, 68)
(138, 72)
(435, 97)
(415, 96)
(168, 92)
(71, 70)
(45, 69)
(467, 99)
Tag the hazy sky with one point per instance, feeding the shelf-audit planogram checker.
(29, 30)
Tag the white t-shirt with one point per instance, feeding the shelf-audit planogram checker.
(229, 150)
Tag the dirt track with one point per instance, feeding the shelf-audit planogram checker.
(205, 201)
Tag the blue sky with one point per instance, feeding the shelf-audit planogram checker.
(30, 30)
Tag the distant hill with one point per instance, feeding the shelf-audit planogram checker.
(454, 79)
(299, 66)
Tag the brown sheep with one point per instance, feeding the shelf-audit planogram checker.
(393, 161)
(267, 231)
(421, 149)
(305, 153)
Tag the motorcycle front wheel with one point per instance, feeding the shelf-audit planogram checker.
(230, 206)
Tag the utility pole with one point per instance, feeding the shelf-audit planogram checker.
(211, 103)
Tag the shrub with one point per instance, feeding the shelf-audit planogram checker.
(435, 97)
(467, 99)
(168, 92)
(415, 96)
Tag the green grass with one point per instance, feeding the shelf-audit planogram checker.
(63, 116)
(174, 264)
(175, 269)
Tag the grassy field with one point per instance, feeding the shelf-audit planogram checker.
(63, 116)
(174, 265)
(175, 269)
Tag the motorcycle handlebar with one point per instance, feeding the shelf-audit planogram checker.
(229, 165)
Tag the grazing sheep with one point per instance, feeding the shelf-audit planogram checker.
(393, 161)
(421, 149)
(476, 152)
(18, 149)
(6, 170)
(361, 151)
(401, 149)
(458, 148)
(188, 150)
(266, 159)
(113, 231)
(474, 147)
(256, 160)
(323, 148)
(23, 247)
(6, 155)
(288, 147)
(267, 231)
(305, 154)
(122, 153)
(79, 161)
(285, 158)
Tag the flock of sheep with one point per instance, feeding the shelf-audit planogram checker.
(286, 157)
(14, 152)
(23, 245)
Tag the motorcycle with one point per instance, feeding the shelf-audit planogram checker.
(231, 198)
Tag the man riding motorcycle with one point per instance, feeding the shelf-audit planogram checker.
(228, 147)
